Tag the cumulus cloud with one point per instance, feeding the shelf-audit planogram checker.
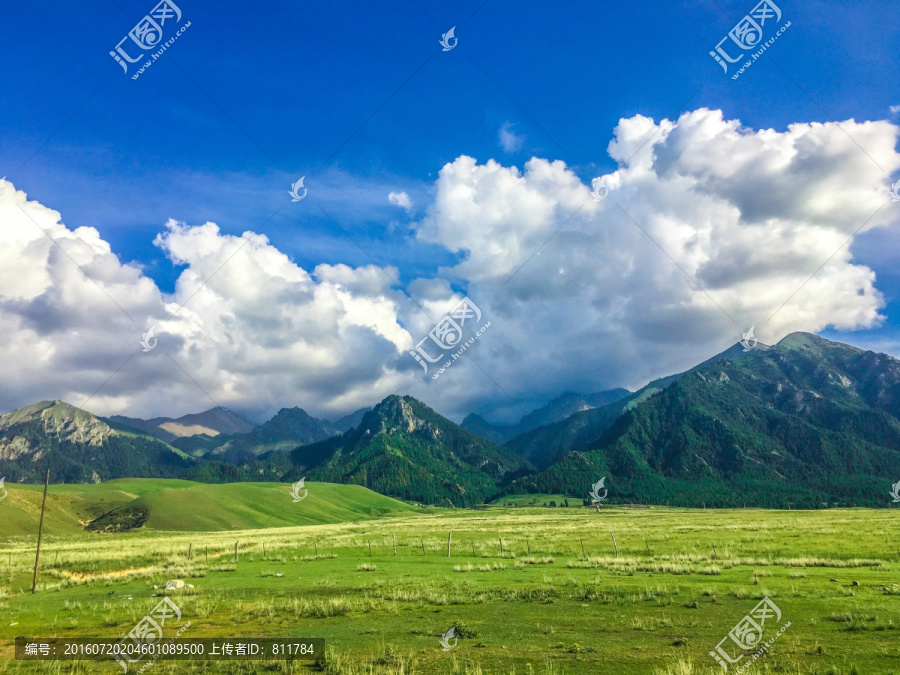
(708, 228)
(509, 140)
(255, 333)
(400, 199)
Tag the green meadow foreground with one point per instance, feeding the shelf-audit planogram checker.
(558, 599)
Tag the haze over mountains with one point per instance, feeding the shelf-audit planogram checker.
(558, 409)
(209, 423)
(806, 422)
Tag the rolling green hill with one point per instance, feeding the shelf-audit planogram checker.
(177, 505)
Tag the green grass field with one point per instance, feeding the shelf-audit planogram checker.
(680, 581)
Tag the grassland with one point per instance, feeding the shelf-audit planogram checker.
(180, 505)
(680, 581)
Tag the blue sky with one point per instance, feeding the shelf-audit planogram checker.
(360, 99)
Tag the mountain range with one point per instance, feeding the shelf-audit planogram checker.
(557, 410)
(405, 449)
(804, 423)
(79, 447)
(210, 423)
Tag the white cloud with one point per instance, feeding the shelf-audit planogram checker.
(256, 333)
(400, 199)
(751, 216)
(895, 110)
(509, 140)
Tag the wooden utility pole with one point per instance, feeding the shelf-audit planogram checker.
(449, 539)
(370, 549)
(190, 551)
(501, 545)
(423, 546)
(715, 555)
(264, 550)
(582, 550)
(37, 555)
(527, 547)
(473, 548)
(316, 544)
(235, 552)
(394, 537)
(614, 542)
(648, 548)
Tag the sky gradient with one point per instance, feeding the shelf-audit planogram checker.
(714, 219)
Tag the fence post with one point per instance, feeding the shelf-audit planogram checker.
(37, 555)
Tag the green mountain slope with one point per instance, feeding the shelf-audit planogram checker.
(79, 447)
(807, 422)
(176, 505)
(545, 444)
(405, 449)
(289, 428)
